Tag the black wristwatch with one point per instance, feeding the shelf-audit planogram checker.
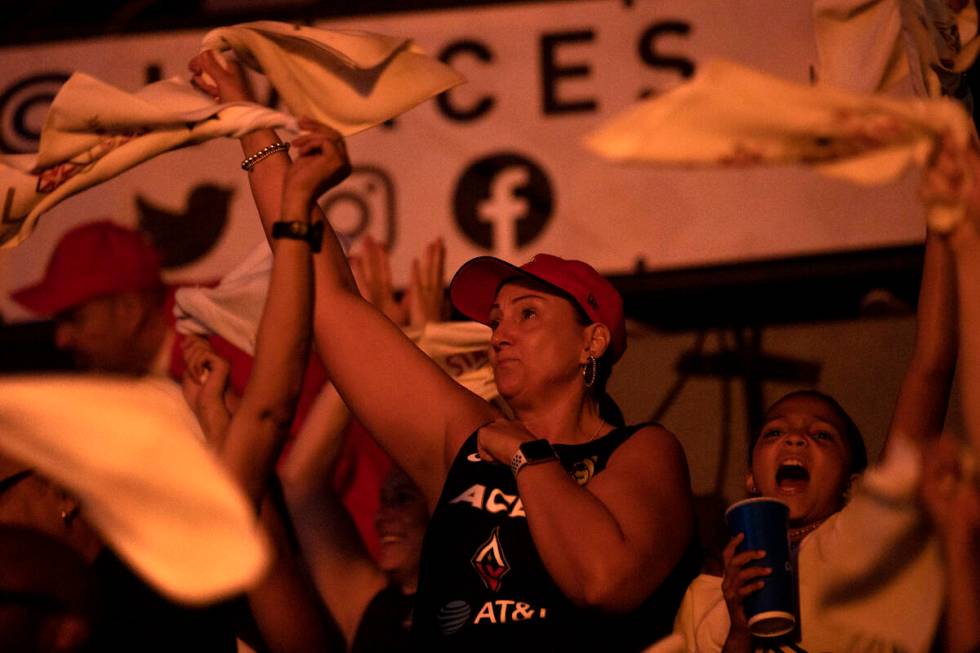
(532, 452)
(312, 233)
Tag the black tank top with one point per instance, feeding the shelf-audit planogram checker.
(482, 586)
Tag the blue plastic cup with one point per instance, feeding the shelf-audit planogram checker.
(765, 523)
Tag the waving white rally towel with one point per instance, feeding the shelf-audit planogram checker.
(133, 455)
(348, 79)
(94, 131)
(732, 115)
(233, 308)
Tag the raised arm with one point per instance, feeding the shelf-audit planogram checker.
(417, 413)
(302, 626)
(951, 495)
(261, 424)
(951, 485)
(343, 572)
(923, 397)
(965, 244)
(224, 79)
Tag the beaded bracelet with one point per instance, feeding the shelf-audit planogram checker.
(268, 150)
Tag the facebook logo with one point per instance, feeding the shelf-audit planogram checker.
(503, 202)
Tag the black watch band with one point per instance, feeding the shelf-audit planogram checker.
(532, 453)
(312, 233)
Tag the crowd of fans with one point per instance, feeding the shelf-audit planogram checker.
(538, 521)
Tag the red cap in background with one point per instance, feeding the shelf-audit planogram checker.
(92, 260)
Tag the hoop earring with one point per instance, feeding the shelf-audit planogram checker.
(68, 515)
(590, 370)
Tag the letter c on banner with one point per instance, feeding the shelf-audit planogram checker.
(484, 104)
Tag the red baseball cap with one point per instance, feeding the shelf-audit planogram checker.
(93, 260)
(474, 288)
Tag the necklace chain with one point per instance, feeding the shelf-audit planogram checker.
(797, 534)
(602, 423)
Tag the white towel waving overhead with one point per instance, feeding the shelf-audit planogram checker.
(94, 131)
(347, 79)
(133, 455)
(732, 115)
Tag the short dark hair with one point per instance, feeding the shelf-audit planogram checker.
(852, 434)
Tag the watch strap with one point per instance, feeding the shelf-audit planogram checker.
(532, 453)
(312, 233)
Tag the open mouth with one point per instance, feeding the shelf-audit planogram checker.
(792, 476)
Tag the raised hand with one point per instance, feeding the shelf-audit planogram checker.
(204, 385)
(953, 177)
(425, 299)
(372, 271)
(320, 162)
(221, 77)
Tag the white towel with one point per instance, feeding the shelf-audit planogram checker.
(461, 350)
(94, 131)
(348, 79)
(233, 308)
(859, 44)
(872, 45)
(886, 578)
(132, 453)
(732, 115)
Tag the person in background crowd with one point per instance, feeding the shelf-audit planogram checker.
(48, 593)
(127, 614)
(102, 287)
(113, 313)
(809, 452)
(371, 600)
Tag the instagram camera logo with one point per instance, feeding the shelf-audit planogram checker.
(363, 204)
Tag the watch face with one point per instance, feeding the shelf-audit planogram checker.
(536, 450)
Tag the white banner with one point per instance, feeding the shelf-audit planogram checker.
(496, 166)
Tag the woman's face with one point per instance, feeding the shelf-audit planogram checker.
(400, 523)
(801, 457)
(537, 344)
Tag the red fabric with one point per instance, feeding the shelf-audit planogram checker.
(241, 368)
(361, 469)
(361, 465)
(93, 260)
